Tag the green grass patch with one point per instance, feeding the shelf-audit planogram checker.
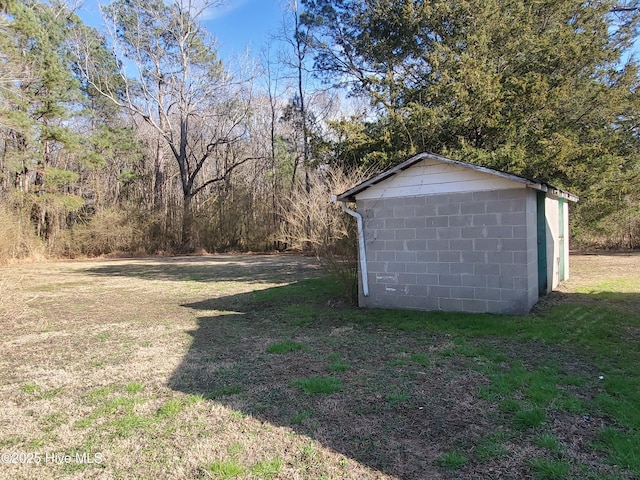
(623, 408)
(100, 393)
(395, 399)
(491, 447)
(224, 469)
(621, 447)
(465, 348)
(419, 359)
(412, 359)
(530, 418)
(37, 443)
(30, 388)
(448, 352)
(568, 402)
(620, 398)
(336, 364)
(543, 469)
(453, 460)
(235, 449)
(300, 417)
(318, 385)
(237, 415)
(133, 387)
(611, 287)
(53, 420)
(85, 422)
(549, 442)
(39, 392)
(121, 408)
(541, 387)
(505, 383)
(266, 469)
(130, 425)
(311, 291)
(573, 380)
(287, 346)
(601, 330)
(12, 439)
(223, 392)
(48, 394)
(117, 405)
(103, 336)
(300, 315)
(170, 408)
(510, 405)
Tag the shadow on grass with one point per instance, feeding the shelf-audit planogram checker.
(402, 400)
(384, 405)
(405, 385)
(219, 268)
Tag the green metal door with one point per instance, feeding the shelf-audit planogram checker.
(561, 238)
(541, 219)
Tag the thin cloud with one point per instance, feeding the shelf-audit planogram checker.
(223, 10)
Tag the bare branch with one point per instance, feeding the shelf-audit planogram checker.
(225, 174)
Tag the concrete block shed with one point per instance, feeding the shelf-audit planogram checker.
(439, 234)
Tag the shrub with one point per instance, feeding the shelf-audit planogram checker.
(313, 223)
(17, 238)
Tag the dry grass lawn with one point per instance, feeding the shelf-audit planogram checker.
(234, 367)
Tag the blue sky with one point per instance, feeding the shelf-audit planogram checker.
(237, 24)
(245, 23)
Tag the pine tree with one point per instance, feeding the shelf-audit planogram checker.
(40, 101)
(544, 89)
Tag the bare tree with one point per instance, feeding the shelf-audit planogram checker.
(170, 76)
(294, 57)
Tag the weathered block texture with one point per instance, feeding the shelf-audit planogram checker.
(454, 251)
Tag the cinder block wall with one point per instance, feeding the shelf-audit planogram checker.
(474, 252)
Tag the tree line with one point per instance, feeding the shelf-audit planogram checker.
(139, 138)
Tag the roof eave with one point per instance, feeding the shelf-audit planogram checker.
(563, 194)
(350, 195)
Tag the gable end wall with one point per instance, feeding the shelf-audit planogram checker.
(471, 251)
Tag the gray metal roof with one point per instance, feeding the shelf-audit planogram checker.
(532, 183)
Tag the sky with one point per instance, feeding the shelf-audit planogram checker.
(242, 24)
(237, 25)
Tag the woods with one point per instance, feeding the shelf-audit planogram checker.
(141, 139)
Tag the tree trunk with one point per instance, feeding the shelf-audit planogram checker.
(158, 186)
(187, 225)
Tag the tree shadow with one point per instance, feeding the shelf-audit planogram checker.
(406, 395)
(219, 268)
(396, 411)
(399, 407)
